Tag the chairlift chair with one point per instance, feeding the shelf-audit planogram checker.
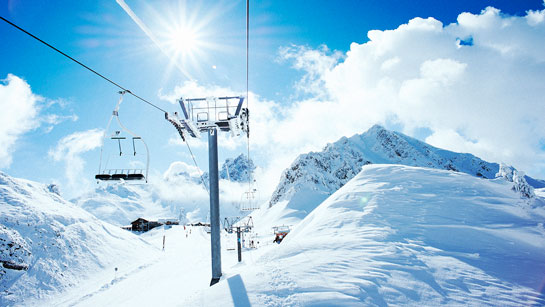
(249, 200)
(117, 174)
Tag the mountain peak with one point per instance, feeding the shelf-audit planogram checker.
(326, 171)
(239, 169)
(375, 129)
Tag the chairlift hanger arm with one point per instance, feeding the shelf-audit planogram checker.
(124, 174)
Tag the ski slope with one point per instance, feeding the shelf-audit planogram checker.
(181, 269)
(404, 236)
(56, 245)
(393, 235)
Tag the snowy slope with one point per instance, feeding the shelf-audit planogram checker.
(50, 245)
(400, 235)
(314, 176)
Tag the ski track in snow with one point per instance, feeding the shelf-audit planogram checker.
(104, 287)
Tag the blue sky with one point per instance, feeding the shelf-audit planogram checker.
(103, 36)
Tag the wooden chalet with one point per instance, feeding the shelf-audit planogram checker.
(143, 225)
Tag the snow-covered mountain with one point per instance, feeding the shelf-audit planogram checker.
(401, 236)
(239, 169)
(120, 203)
(314, 176)
(179, 191)
(48, 244)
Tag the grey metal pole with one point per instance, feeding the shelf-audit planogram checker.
(214, 205)
(239, 247)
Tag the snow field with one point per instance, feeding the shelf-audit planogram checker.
(60, 244)
(398, 235)
(393, 235)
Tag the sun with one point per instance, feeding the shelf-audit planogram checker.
(183, 41)
(185, 32)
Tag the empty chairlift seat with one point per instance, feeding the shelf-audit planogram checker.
(119, 176)
(103, 177)
(135, 177)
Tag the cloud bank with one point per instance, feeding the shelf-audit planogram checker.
(19, 115)
(70, 148)
(476, 84)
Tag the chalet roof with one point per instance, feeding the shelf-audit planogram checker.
(140, 219)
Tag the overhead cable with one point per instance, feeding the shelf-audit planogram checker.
(247, 81)
(83, 65)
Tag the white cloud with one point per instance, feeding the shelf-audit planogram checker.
(485, 98)
(534, 18)
(316, 63)
(70, 148)
(179, 168)
(22, 112)
(55, 119)
(20, 108)
(51, 120)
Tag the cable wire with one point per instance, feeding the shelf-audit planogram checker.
(83, 65)
(247, 81)
(196, 165)
(114, 83)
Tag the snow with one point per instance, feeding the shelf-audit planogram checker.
(58, 244)
(120, 204)
(314, 176)
(399, 235)
(178, 192)
(239, 169)
(363, 232)
(393, 235)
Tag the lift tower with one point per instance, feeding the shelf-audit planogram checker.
(211, 115)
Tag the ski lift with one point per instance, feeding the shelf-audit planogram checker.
(280, 232)
(201, 114)
(120, 138)
(249, 200)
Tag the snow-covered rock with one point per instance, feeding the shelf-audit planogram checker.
(53, 188)
(401, 236)
(520, 185)
(48, 245)
(239, 169)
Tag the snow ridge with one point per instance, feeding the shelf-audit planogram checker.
(48, 244)
(520, 185)
(326, 171)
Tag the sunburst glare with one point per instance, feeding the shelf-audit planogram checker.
(185, 35)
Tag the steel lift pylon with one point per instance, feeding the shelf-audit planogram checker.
(211, 115)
